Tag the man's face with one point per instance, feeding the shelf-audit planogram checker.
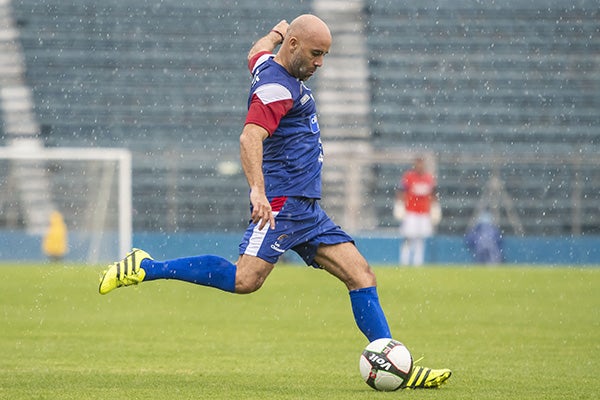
(420, 166)
(307, 57)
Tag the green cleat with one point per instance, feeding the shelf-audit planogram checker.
(427, 378)
(125, 272)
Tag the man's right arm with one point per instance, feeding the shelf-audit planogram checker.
(270, 41)
(251, 156)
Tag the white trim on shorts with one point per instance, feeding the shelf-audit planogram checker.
(257, 238)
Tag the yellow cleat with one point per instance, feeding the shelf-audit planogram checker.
(427, 378)
(126, 272)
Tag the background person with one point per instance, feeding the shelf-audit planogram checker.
(55, 242)
(484, 240)
(418, 210)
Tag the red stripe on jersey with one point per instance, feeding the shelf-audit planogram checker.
(254, 59)
(268, 115)
(277, 203)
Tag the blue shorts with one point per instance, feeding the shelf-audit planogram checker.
(301, 225)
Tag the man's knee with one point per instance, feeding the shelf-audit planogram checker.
(251, 273)
(365, 277)
(355, 275)
(247, 284)
(358, 278)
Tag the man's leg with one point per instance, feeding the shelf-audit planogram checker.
(405, 249)
(246, 276)
(419, 251)
(345, 262)
(205, 270)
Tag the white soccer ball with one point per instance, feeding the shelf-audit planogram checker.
(385, 364)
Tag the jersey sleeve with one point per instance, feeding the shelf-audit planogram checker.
(405, 182)
(258, 59)
(270, 102)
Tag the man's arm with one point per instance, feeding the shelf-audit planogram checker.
(399, 209)
(271, 40)
(435, 209)
(252, 137)
(251, 156)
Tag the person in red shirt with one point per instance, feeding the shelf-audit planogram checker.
(417, 208)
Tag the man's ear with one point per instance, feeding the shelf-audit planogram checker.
(293, 44)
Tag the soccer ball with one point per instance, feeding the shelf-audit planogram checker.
(385, 364)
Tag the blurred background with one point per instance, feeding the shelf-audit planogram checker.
(501, 98)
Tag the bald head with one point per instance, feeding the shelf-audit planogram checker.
(306, 42)
(309, 26)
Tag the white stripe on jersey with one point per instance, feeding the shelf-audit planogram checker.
(272, 92)
(261, 60)
(257, 238)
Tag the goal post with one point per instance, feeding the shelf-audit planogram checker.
(88, 185)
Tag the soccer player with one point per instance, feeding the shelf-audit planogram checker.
(484, 239)
(417, 208)
(281, 154)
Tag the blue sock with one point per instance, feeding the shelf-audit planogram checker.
(206, 270)
(368, 313)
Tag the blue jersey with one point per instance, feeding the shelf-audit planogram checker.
(292, 154)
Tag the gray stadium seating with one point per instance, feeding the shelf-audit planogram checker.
(168, 80)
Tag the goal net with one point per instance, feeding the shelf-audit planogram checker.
(89, 187)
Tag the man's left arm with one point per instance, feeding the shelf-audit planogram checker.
(435, 211)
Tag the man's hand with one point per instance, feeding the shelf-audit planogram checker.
(261, 210)
(271, 40)
(399, 210)
(281, 27)
(435, 213)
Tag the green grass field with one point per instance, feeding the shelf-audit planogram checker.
(507, 333)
